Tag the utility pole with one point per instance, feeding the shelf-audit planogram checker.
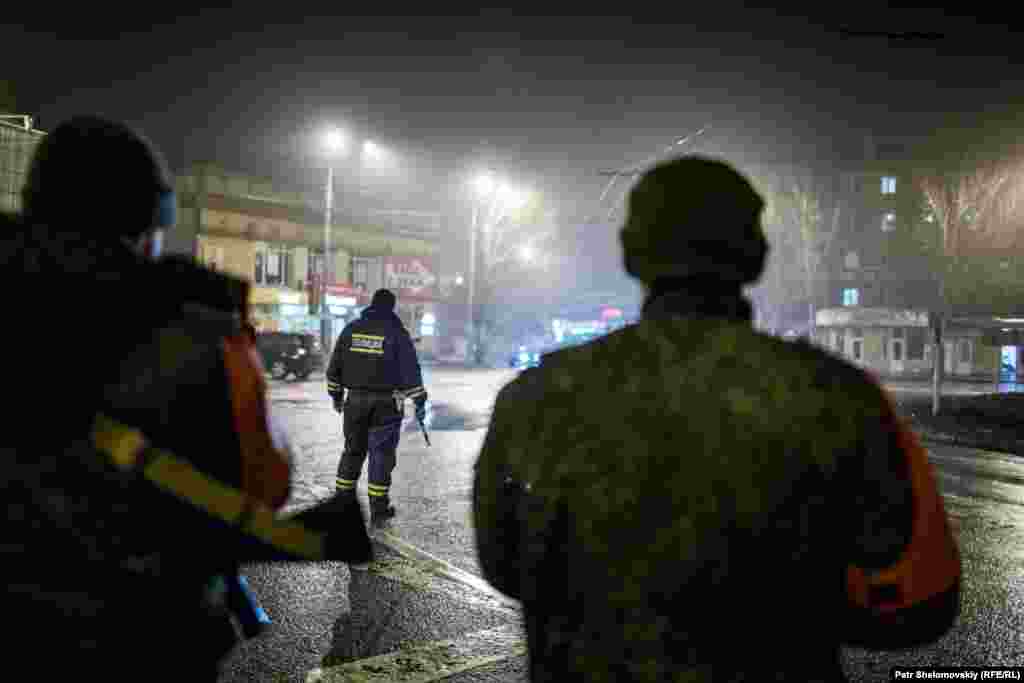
(325, 312)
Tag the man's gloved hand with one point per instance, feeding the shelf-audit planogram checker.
(339, 402)
(421, 407)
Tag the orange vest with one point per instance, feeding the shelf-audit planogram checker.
(266, 470)
(930, 564)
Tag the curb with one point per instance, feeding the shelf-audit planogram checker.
(1007, 446)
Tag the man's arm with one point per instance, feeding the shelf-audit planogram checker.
(336, 367)
(904, 578)
(498, 489)
(410, 375)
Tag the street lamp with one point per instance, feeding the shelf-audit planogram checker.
(335, 142)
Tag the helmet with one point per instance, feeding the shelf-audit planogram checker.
(694, 217)
(91, 172)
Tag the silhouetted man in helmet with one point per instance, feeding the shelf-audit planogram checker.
(688, 499)
(141, 464)
(375, 360)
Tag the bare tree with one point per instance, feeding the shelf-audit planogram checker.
(514, 239)
(801, 233)
(968, 198)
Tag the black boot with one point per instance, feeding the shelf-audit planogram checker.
(381, 511)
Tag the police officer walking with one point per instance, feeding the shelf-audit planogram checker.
(375, 360)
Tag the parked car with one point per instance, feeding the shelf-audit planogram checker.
(290, 353)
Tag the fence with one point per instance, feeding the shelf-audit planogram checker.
(16, 147)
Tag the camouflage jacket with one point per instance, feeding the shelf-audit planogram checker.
(678, 501)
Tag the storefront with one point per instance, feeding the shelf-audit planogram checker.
(413, 280)
(276, 309)
(898, 343)
(344, 303)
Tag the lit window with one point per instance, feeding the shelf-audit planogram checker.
(273, 264)
(851, 297)
(888, 185)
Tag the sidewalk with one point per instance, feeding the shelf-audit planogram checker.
(410, 617)
(975, 418)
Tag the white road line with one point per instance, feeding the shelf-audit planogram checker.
(431, 661)
(443, 567)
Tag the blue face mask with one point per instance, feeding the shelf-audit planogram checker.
(156, 241)
(166, 210)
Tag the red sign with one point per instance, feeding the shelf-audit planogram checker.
(345, 290)
(411, 277)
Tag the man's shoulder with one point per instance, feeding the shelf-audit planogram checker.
(621, 353)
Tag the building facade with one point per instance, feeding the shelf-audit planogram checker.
(17, 144)
(882, 290)
(275, 239)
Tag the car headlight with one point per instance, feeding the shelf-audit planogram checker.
(300, 352)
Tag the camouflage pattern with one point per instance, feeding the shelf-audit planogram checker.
(678, 501)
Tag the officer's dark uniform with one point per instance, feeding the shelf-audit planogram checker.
(376, 361)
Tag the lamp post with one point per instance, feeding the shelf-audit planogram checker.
(335, 141)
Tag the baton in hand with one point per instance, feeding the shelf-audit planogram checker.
(423, 428)
(399, 401)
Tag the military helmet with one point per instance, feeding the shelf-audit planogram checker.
(97, 175)
(694, 217)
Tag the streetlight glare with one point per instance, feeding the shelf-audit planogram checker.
(484, 184)
(335, 140)
(513, 198)
(373, 151)
(526, 253)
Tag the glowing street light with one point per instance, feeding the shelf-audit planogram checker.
(484, 185)
(512, 198)
(372, 151)
(335, 142)
(527, 253)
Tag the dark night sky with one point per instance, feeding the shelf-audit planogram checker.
(557, 98)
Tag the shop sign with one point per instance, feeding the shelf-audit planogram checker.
(410, 276)
(344, 291)
(870, 317)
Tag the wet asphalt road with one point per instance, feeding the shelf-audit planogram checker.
(327, 616)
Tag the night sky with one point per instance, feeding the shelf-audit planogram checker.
(549, 101)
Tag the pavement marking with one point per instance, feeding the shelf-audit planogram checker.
(442, 567)
(432, 661)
